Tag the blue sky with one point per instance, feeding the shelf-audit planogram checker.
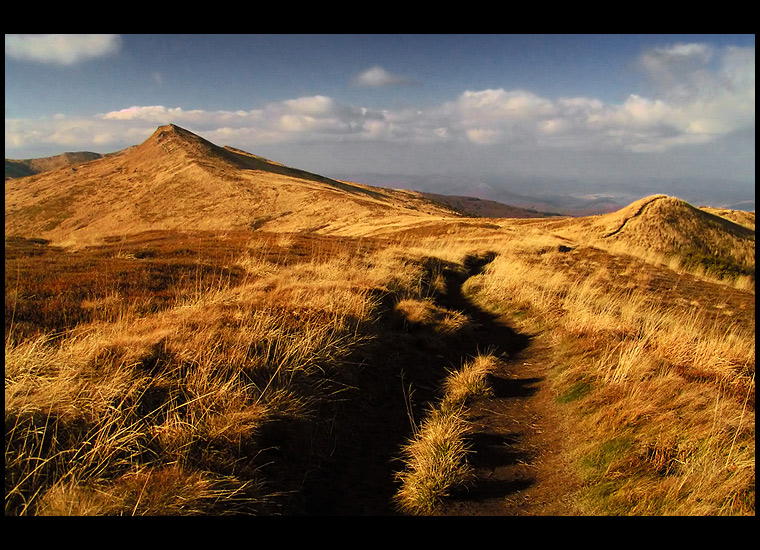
(623, 115)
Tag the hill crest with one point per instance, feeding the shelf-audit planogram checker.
(19, 168)
(176, 179)
(661, 225)
(662, 211)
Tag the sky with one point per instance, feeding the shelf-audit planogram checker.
(493, 116)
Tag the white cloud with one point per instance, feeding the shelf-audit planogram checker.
(377, 77)
(159, 114)
(640, 113)
(317, 105)
(697, 103)
(482, 135)
(555, 126)
(515, 119)
(665, 57)
(503, 104)
(60, 49)
(156, 113)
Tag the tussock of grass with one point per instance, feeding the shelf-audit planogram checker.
(162, 491)
(436, 456)
(471, 380)
(425, 313)
(435, 461)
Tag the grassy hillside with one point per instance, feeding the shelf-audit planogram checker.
(481, 208)
(19, 168)
(178, 180)
(741, 217)
(211, 373)
(198, 357)
(668, 231)
(656, 372)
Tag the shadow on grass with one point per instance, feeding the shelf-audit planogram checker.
(401, 375)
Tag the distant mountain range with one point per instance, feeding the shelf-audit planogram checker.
(27, 167)
(565, 197)
(176, 180)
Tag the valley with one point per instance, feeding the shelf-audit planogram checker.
(195, 330)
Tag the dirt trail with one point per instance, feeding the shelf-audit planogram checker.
(517, 437)
(518, 432)
(517, 447)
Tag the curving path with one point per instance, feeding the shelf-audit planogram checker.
(517, 439)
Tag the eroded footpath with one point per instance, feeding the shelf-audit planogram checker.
(517, 445)
(519, 434)
(517, 437)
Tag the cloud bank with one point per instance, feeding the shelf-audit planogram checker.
(703, 96)
(60, 49)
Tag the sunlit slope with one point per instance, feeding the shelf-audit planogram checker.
(663, 226)
(18, 168)
(178, 180)
(741, 217)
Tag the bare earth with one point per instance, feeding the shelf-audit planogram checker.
(517, 442)
(519, 433)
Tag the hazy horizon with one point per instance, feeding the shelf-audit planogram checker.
(487, 115)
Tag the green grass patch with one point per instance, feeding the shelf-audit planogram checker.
(576, 391)
(717, 266)
(603, 456)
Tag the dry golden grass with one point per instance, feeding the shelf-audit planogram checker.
(655, 366)
(471, 380)
(663, 394)
(149, 492)
(435, 461)
(139, 393)
(198, 373)
(435, 458)
(425, 313)
(98, 419)
(741, 217)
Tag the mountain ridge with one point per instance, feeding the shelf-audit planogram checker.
(17, 168)
(178, 180)
(484, 208)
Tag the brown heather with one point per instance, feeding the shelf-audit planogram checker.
(299, 345)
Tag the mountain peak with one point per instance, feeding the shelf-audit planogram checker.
(174, 132)
(177, 179)
(178, 144)
(168, 129)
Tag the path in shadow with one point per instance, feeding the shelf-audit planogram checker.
(501, 450)
(489, 332)
(401, 375)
